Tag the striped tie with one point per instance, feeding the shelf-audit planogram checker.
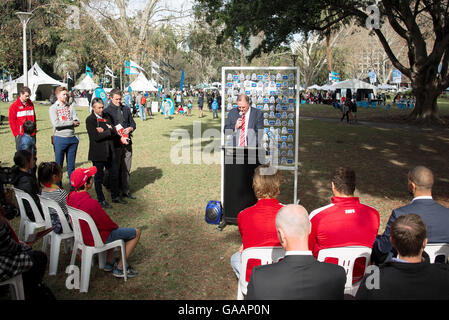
(243, 133)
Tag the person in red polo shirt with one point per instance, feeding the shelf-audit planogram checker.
(20, 111)
(257, 224)
(344, 222)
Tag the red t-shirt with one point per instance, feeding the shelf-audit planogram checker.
(257, 224)
(345, 222)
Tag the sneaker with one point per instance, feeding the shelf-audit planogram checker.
(108, 267)
(130, 272)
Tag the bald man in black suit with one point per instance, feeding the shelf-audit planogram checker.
(299, 275)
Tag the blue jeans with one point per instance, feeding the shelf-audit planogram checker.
(142, 113)
(66, 147)
(236, 263)
(124, 234)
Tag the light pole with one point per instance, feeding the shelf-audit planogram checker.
(24, 19)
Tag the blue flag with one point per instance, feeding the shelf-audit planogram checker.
(100, 93)
(89, 72)
(182, 80)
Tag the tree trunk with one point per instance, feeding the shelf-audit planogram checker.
(329, 52)
(426, 108)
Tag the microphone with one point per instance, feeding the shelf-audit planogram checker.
(241, 114)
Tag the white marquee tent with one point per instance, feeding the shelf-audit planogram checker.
(86, 84)
(143, 84)
(40, 83)
(386, 87)
(354, 85)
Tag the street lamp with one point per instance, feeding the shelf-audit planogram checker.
(25, 17)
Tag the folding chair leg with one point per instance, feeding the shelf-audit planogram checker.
(74, 252)
(54, 255)
(86, 264)
(125, 269)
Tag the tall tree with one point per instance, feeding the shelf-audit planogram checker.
(415, 21)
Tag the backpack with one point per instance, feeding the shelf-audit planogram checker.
(143, 100)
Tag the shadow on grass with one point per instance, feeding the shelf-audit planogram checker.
(143, 176)
(380, 157)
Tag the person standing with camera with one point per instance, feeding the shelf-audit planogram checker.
(64, 120)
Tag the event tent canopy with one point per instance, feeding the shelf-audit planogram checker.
(314, 87)
(142, 84)
(86, 84)
(40, 83)
(327, 87)
(386, 87)
(354, 85)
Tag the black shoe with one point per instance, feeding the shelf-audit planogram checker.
(119, 200)
(105, 205)
(129, 195)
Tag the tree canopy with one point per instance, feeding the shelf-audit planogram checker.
(423, 24)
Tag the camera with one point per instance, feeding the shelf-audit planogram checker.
(6, 201)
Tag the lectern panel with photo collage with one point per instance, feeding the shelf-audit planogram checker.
(274, 91)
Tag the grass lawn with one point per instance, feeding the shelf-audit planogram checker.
(378, 114)
(180, 256)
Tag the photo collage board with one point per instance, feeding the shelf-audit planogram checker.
(273, 91)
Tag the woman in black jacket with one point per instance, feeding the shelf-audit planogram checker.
(25, 180)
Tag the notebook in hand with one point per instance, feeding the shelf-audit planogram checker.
(36, 236)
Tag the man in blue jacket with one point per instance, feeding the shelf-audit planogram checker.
(434, 215)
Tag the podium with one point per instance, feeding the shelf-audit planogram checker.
(238, 168)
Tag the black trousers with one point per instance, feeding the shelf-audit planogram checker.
(112, 179)
(32, 279)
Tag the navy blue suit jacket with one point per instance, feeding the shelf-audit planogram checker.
(254, 125)
(434, 215)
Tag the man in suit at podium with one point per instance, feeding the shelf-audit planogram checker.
(244, 123)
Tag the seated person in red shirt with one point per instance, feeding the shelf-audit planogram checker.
(81, 180)
(257, 224)
(344, 222)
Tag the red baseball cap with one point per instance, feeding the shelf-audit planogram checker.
(80, 176)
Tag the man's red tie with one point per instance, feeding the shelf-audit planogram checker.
(242, 133)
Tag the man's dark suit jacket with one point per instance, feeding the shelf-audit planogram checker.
(254, 125)
(297, 277)
(127, 119)
(399, 280)
(101, 145)
(434, 215)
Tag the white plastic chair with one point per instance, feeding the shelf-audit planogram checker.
(266, 255)
(55, 239)
(435, 250)
(27, 227)
(17, 283)
(346, 258)
(87, 252)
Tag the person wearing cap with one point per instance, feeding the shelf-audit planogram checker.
(81, 181)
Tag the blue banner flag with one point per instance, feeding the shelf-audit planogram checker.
(182, 80)
(100, 93)
(129, 68)
(89, 72)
